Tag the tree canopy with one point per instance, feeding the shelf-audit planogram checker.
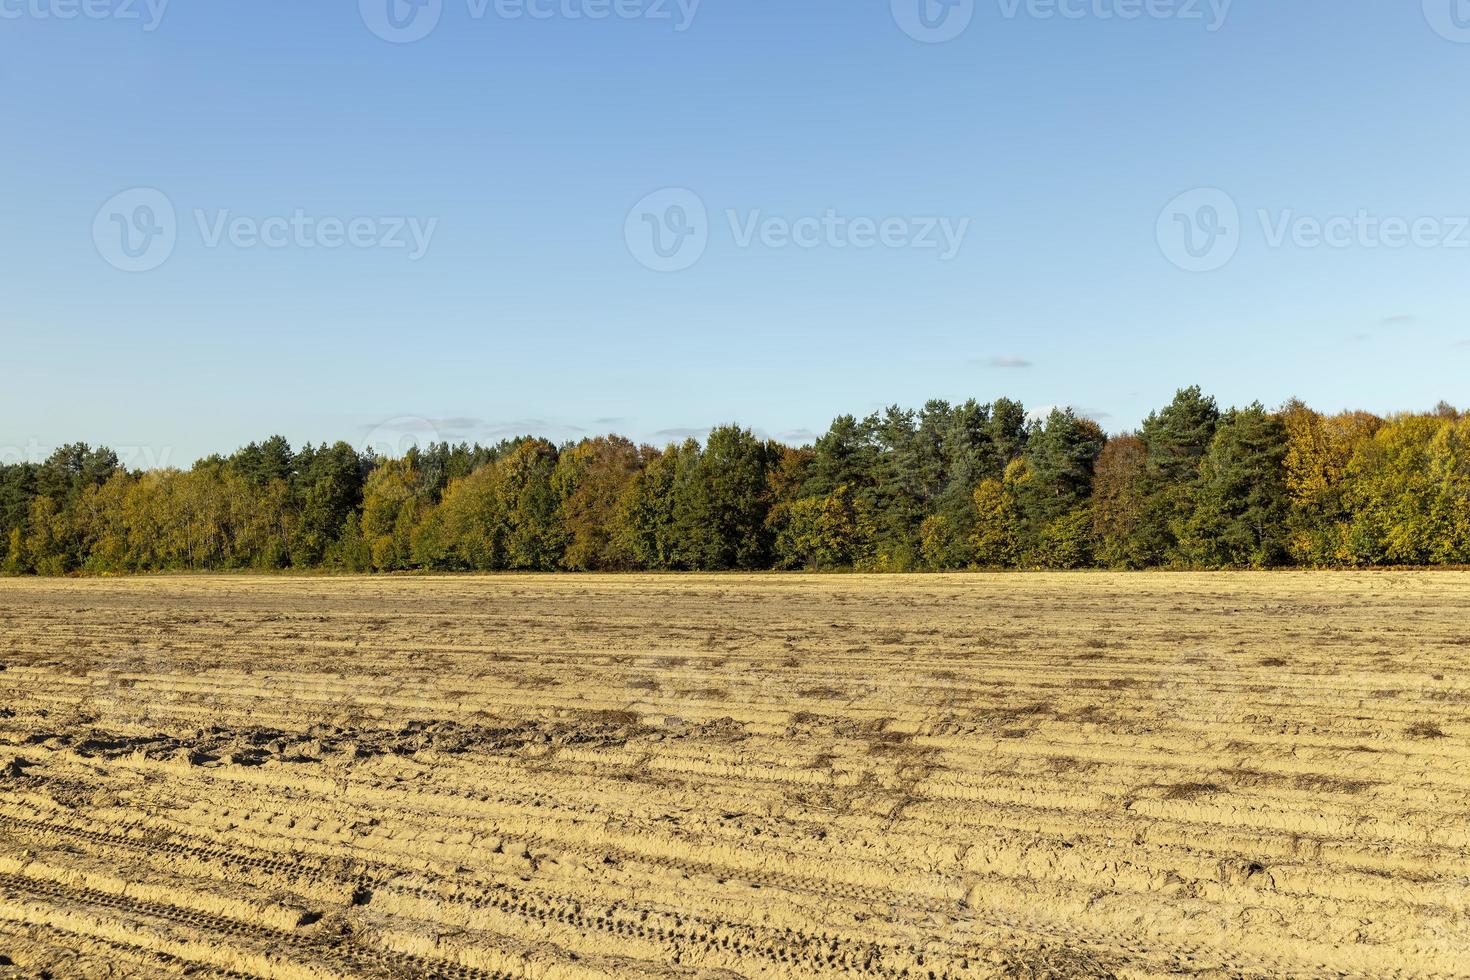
(938, 488)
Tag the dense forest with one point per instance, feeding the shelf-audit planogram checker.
(946, 487)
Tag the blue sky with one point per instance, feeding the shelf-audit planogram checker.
(521, 145)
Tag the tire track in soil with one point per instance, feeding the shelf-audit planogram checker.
(791, 947)
(1177, 774)
(364, 962)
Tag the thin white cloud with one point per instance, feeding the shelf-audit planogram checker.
(682, 433)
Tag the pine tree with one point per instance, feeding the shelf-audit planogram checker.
(1240, 500)
(1059, 459)
(1175, 442)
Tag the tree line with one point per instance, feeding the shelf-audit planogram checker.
(942, 488)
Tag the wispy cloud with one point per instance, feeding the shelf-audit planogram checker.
(1009, 363)
(514, 427)
(404, 424)
(462, 422)
(1399, 320)
(682, 433)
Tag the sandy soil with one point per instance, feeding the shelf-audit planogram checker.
(922, 777)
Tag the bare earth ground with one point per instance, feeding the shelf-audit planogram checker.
(556, 777)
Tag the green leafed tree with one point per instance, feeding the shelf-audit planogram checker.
(534, 537)
(721, 501)
(997, 538)
(1240, 502)
(827, 533)
(1059, 456)
(644, 521)
(589, 481)
(388, 505)
(1175, 441)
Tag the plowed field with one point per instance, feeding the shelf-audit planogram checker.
(575, 777)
